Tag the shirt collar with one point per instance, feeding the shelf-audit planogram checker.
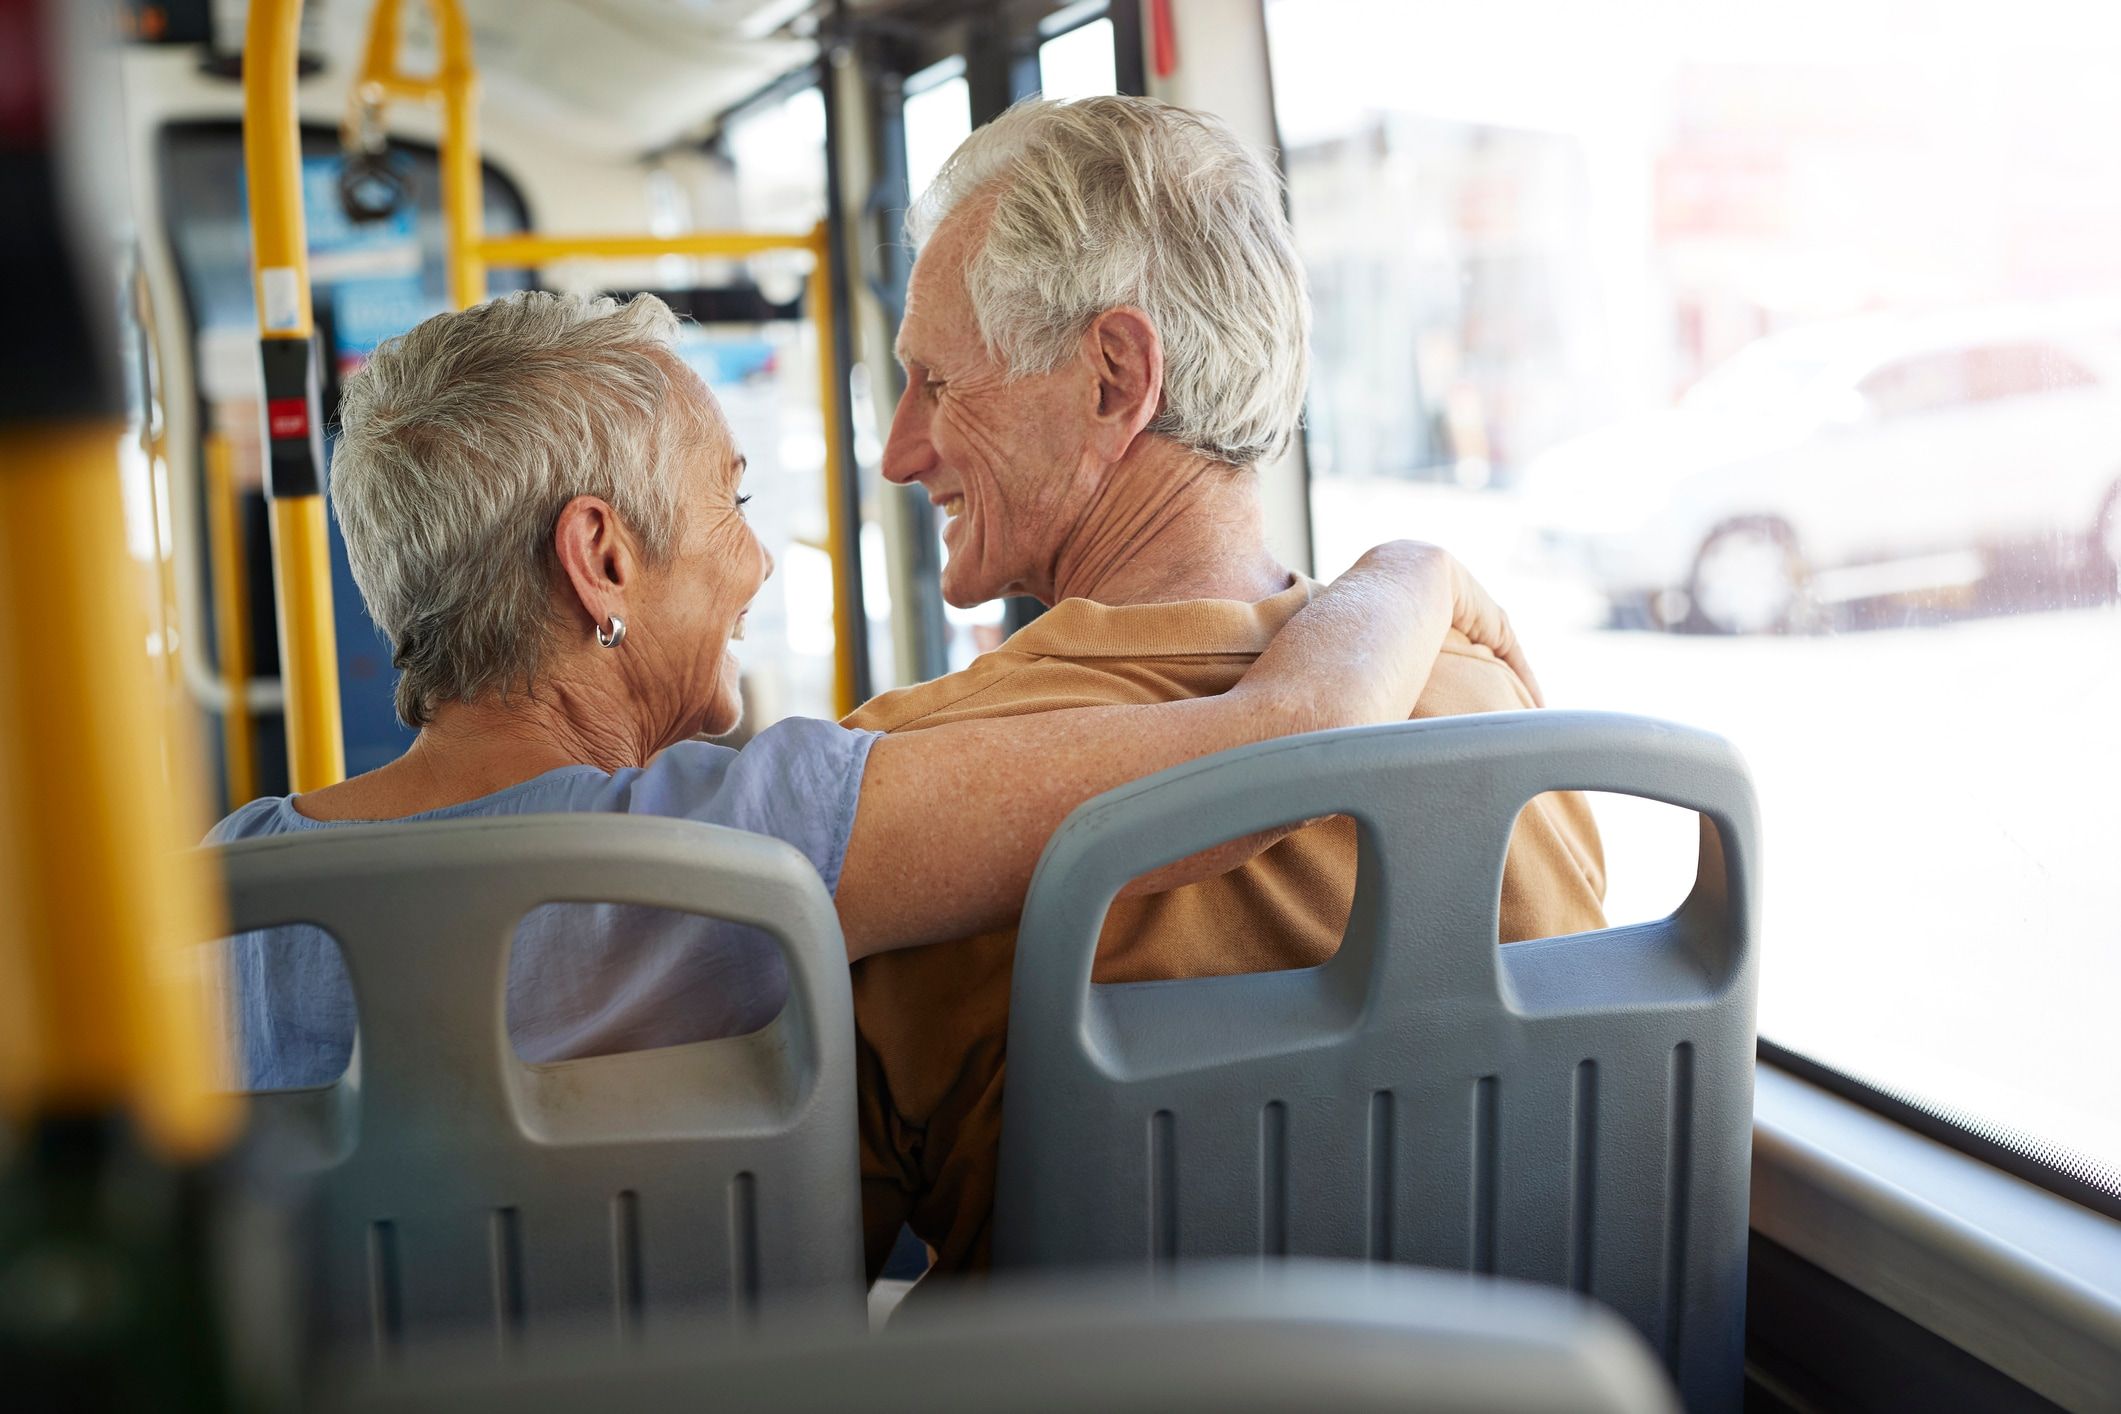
(1083, 628)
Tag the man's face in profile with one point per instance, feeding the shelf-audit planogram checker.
(1007, 460)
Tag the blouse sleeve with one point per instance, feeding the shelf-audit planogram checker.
(799, 780)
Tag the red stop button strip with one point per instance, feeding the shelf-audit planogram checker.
(287, 418)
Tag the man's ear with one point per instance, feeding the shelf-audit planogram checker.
(596, 557)
(1128, 358)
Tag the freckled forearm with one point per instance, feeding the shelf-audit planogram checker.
(953, 819)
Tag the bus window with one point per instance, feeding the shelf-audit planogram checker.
(1076, 59)
(1758, 362)
(938, 110)
(765, 376)
(938, 113)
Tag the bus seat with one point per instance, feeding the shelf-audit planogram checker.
(1228, 1339)
(1574, 1111)
(451, 1185)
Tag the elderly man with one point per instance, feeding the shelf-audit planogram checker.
(1104, 335)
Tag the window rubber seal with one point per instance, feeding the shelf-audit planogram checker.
(2060, 1170)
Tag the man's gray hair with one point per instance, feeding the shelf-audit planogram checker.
(1104, 202)
(461, 442)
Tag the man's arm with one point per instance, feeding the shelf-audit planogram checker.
(1553, 878)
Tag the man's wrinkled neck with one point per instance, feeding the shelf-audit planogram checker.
(1168, 524)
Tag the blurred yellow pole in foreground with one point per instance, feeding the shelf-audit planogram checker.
(119, 1288)
(99, 960)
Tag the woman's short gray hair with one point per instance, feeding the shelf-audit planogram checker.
(1104, 202)
(461, 441)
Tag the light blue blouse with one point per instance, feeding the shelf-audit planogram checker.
(584, 979)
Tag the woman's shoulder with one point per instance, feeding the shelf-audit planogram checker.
(267, 815)
(799, 780)
(792, 758)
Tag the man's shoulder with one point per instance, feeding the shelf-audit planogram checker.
(1001, 683)
(1469, 678)
(904, 706)
(1082, 653)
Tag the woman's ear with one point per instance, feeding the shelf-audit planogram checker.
(1128, 357)
(596, 556)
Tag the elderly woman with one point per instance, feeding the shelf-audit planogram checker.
(541, 506)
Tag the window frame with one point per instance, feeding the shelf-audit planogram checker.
(2087, 1181)
(2022, 1278)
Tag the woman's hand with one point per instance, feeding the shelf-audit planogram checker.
(1481, 619)
(1362, 651)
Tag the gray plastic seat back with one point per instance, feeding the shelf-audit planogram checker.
(1571, 1111)
(1312, 1337)
(457, 1186)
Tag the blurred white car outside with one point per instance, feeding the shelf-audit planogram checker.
(1849, 460)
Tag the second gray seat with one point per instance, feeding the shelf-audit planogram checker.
(1574, 1111)
(456, 1186)
(1231, 1339)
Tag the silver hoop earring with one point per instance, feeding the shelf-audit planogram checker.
(617, 636)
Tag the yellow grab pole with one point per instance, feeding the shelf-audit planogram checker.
(272, 160)
(831, 388)
(97, 1007)
(379, 59)
(224, 540)
(309, 663)
(379, 80)
(456, 84)
(154, 462)
(463, 182)
(525, 251)
(166, 636)
(272, 163)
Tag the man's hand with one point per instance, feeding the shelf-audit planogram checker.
(1481, 619)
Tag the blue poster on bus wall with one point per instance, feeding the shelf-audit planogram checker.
(369, 275)
(340, 246)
